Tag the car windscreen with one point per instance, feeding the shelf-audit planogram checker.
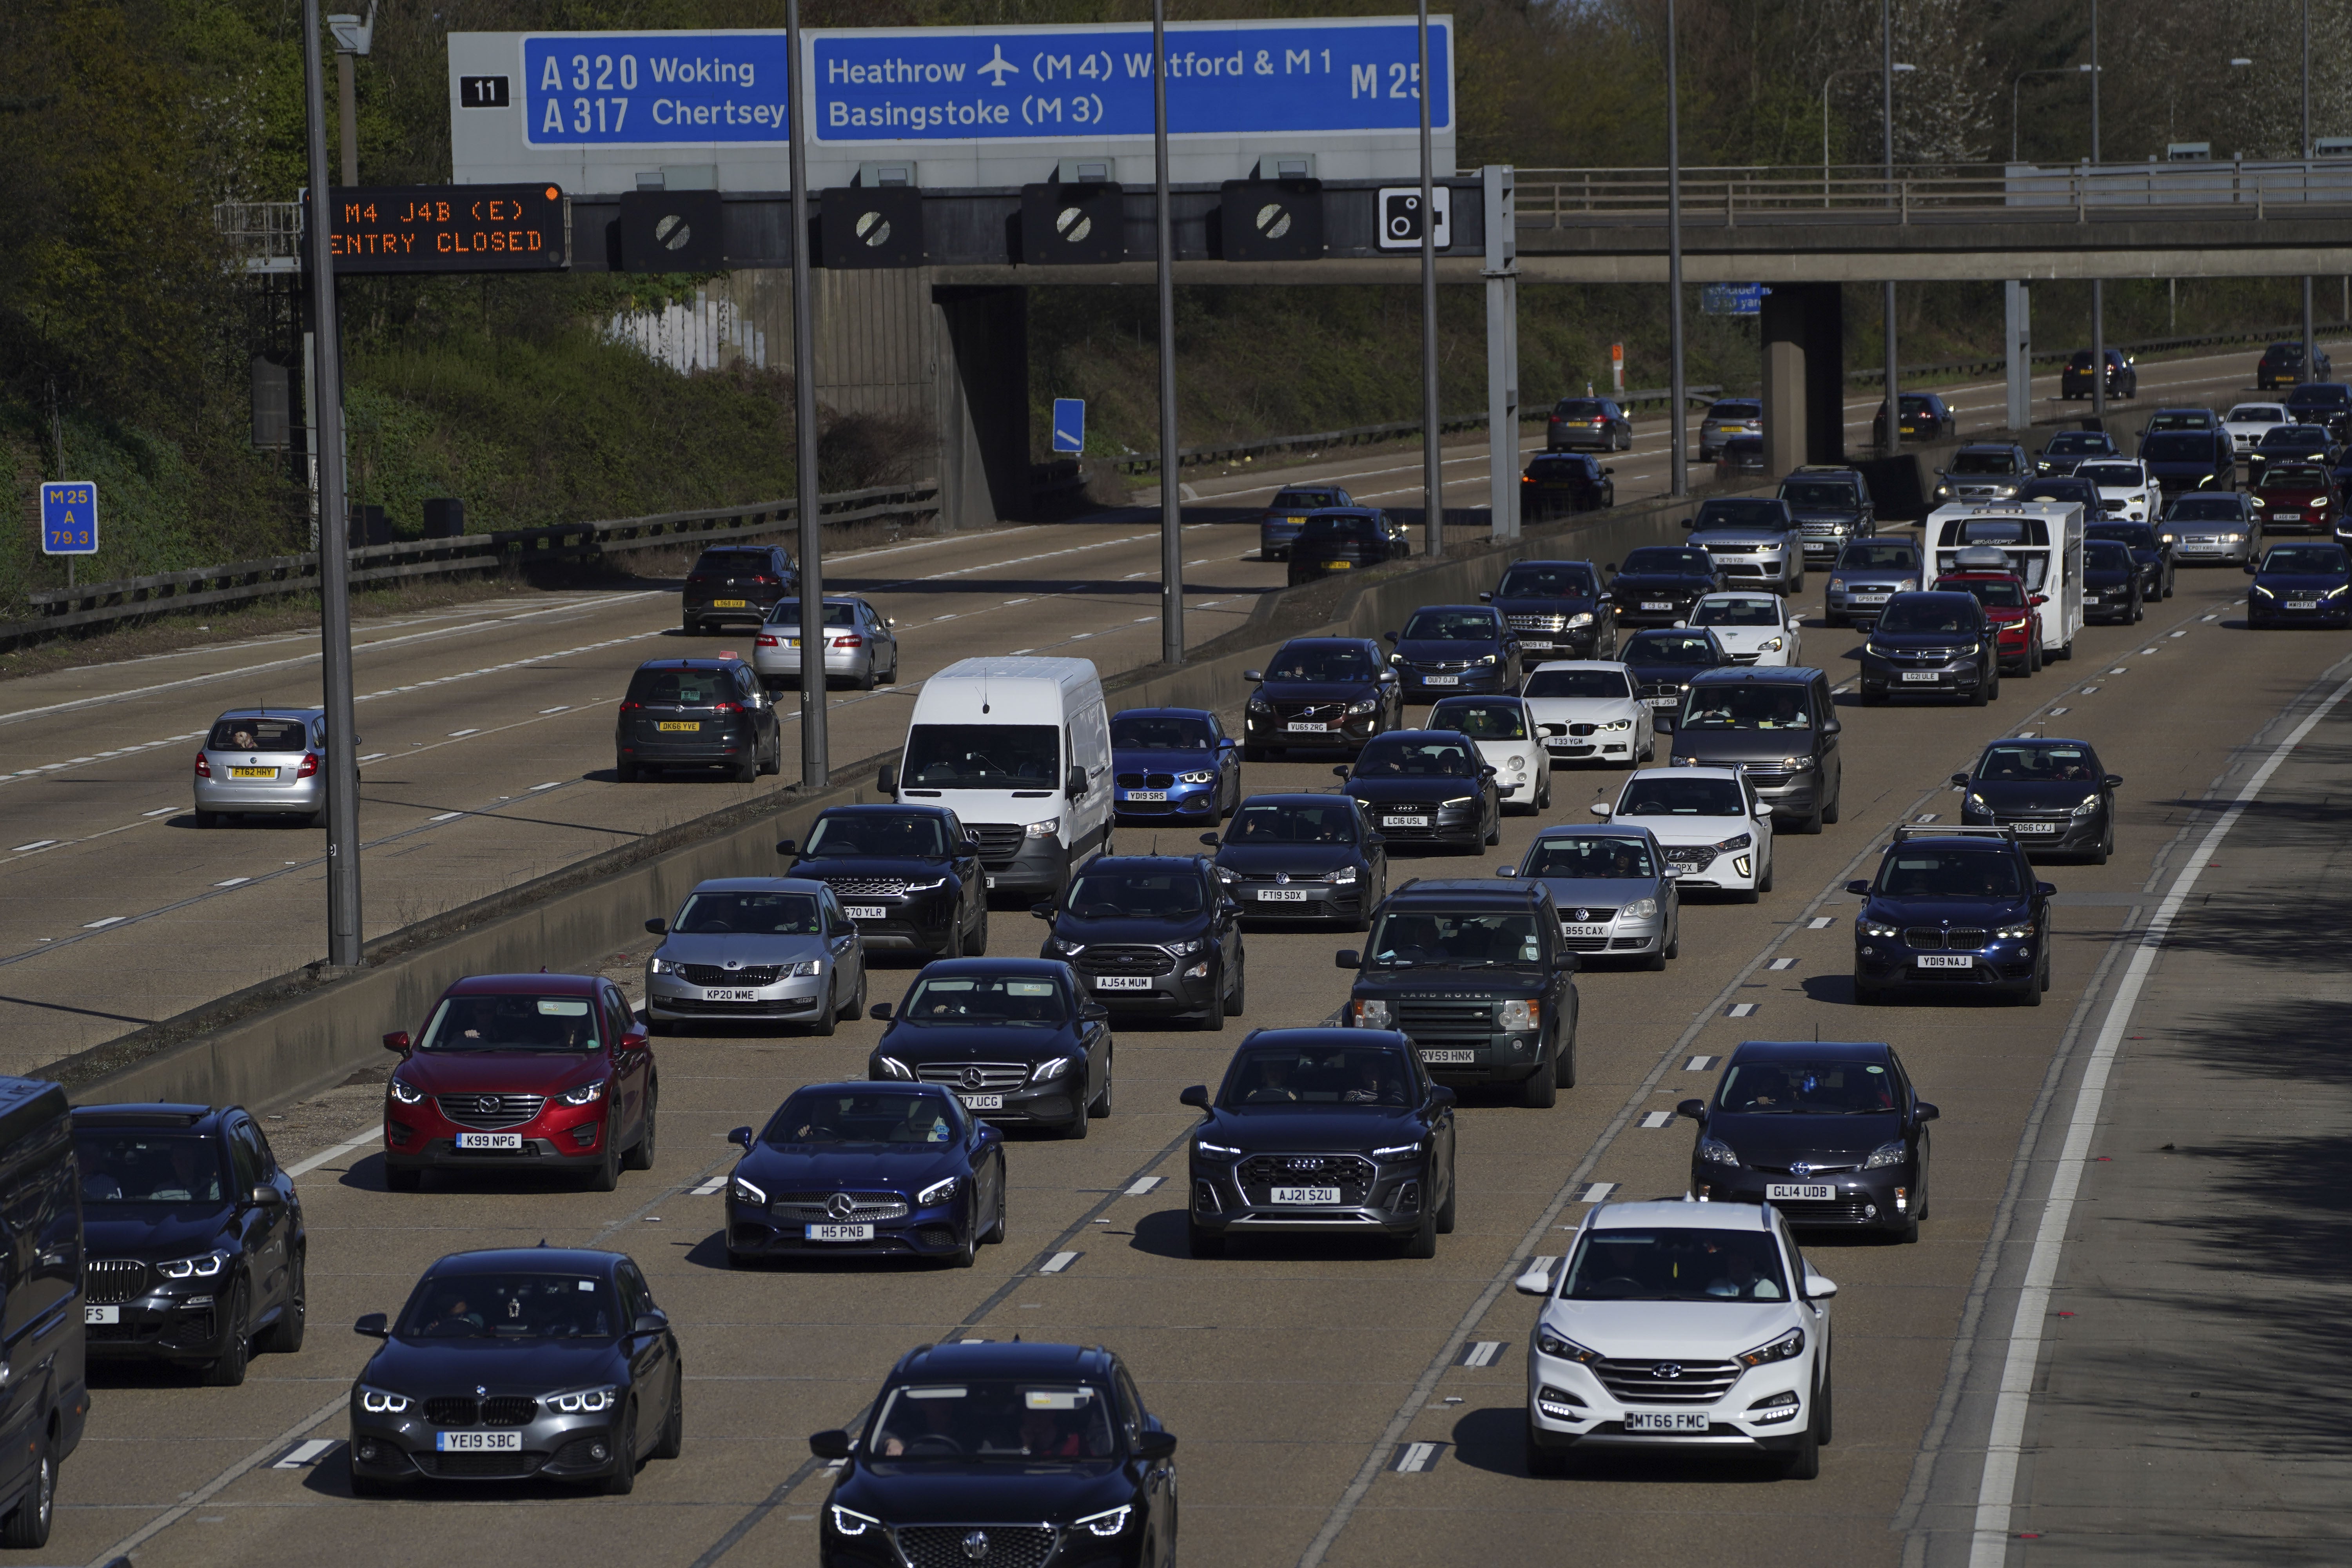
(2106, 555)
(747, 914)
(1868, 556)
(683, 688)
(1585, 685)
(2037, 765)
(1319, 1074)
(2112, 476)
(986, 999)
(991, 1421)
(733, 564)
(2257, 414)
(2074, 443)
(984, 756)
(511, 1306)
(2004, 596)
(1736, 613)
(1833, 493)
(1676, 1263)
(1924, 614)
(1433, 939)
(1292, 822)
(1480, 718)
(898, 835)
(2295, 475)
(2197, 420)
(1578, 409)
(1591, 857)
(787, 612)
(1452, 625)
(1915, 872)
(1161, 732)
(2138, 535)
(1983, 463)
(1668, 648)
(2061, 488)
(258, 735)
(1668, 559)
(1140, 895)
(2312, 559)
(2319, 395)
(1825, 1087)
(1742, 513)
(1651, 796)
(1546, 583)
(1396, 757)
(1745, 707)
(1304, 501)
(463, 1024)
(875, 1120)
(1330, 665)
(2205, 509)
(2293, 438)
(147, 1165)
(2186, 447)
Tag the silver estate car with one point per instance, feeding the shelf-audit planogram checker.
(861, 645)
(757, 949)
(1612, 886)
(264, 761)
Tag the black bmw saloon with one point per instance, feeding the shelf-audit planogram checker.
(518, 1362)
(1002, 1453)
(1015, 1039)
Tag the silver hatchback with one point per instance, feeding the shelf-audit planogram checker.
(1614, 888)
(861, 645)
(263, 762)
(756, 949)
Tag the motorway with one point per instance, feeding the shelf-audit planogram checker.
(1338, 1404)
(486, 733)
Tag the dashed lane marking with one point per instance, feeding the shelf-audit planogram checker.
(1059, 1263)
(1482, 1353)
(108, 921)
(1782, 964)
(1655, 1120)
(303, 1455)
(1418, 1458)
(1142, 1186)
(1596, 1192)
(1820, 922)
(1701, 1064)
(1741, 1010)
(710, 1188)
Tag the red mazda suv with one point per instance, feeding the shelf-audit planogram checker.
(522, 1072)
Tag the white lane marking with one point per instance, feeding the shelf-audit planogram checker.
(1819, 923)
(709, 1188)
(2120, 669)
(334, 1151)
(461, 734)
(2183, 633)
(1143, 1185)
(305, 1453)
(234, 882)
(2055, 711)
(1058, 1262)
(1925, 816)
(1741, 1010)
(1654, 1120)
(161, 811)
(1701, 1064)
(2150, 650)
(550, 783)
(108, 921)
(1596, 1192)
(559, 708)
(1996, 1495)
(376, 756)
(1482, 1353)
(2087, 691)
(1782, 964)
(1541, 1264)
(35, 844)
(445, 817)
(1417, 1458)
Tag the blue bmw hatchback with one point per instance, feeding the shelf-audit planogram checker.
(1173, 763)
(2301, 584)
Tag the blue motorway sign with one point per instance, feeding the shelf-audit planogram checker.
(1069, 424)
(1732, 298)
(648, 89)
(69, 518)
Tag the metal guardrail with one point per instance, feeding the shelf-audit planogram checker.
(1986, 365)
(92, 604)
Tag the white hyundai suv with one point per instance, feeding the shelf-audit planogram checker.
(1680, 1325)
(1715, 830)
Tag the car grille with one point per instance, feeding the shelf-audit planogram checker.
(1820, 530)
(1351, 1173)
(999, 841)
(490, 1109)
(1331, 712)
(1738, 549)
(113, 1280)
(1437, 665)
(1537, 623)
(717, 974)
(1147, 780)
(976, 1077)
(1124, 961)
(864, 1207)
(1823, 1213)
(1431, 1022)
(1691, 856)
(866, 886)
(1662, 688)
(504, 1410)
(480, 1467)
(1762, 780)
(1000, 1545)
(1967, 939)
(1651, 1383)
(1922, 656)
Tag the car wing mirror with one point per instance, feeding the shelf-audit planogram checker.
(397, 1041)
(1228, 744)
(649, 1323)
(1255, 677)
(1197, 1096)
(1601, 808)
(1820, 1287)
(658, 926)
(2115, 781)
(1536, 1281)
(635, 1039)
(1959, 780)
(879, 1012)
(1075, 785)
(1093, 1012)
(1693, 1108)
(1043, 911)
(742, 1136)
(786, 846)
(885, 779)
(1486, 598)
(1441, 1097)
(1376, 841)
(829, 1444)
(1348, 958)
(265, 1196)
(1860, 889)
(1506, 869)
(2046, 889)
(1923, 1111)
(1341, 773)
(1154, 1446)
(1212, 840)
(1388, 637)
(374, 1325)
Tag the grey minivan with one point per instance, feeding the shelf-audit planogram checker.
(756, 949)
(264, 761)
(1777, 726)
(1612, 886)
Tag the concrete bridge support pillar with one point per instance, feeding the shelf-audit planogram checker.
(2019, 339)
(1804, 375)
(981, 380)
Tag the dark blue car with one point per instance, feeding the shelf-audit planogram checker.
(1953, 909)
(1173, 763)
(2185, 460)
(1016, 1039)
(1445, 650)
(1659, 582)
(2301, 584)
(886, 1169)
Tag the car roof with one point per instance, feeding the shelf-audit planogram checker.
(1759, 675)
(1300, 796)
(1143, 863)
(863, 1085)
(723, 662)
(1693, 773)
(1819, 469)
(1811, 1051)
(1481, 609)
(1358, 643)
(1932, 594)
(1737, 593)
(149, 1113)
(1593, 829)
(1165, 712)
(2037, 740)
(1314, 1036)
(1982, 843)
(497, 1259)
(1617, 665)
(760, 885)
(1000, 1358)
(1681, 1214)
(1549, 561)
(886, 809)
(272, 713)
(1501, 890)
(1989, 446)
(1417, 735)
(541, 984)
(1034, 968)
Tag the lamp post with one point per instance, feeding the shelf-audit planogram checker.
(1171, 493)
(2052, 70)
(815, 762)
(1433, 470)
(2310, 333)
(1678, 422)
(1893, 444)
(2098, 285)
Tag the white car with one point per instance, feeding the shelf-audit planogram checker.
(1680, 1326)
(1753, 627)
(1717, 830)
(2126, 490)
(1505, 735)
(2249, 422)
(1589, 711)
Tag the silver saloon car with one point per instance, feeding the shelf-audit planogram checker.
(263, 762)
(861, 645)
(1614, 889)
(756, 949)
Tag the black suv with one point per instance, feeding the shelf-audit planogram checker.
(1953, 908)
(1153, 934)
(697, 713)
(1477, 973)
(1557, 608)
(1659, 582)
(2323, 402)
(2077, 379)
(194, 1238)
(1931, 645)
(1303, 857)
(1427, 786)
(1324, 694)
(1831, 505)
(908, 876)
(737, 585)
(1985, 471)
(1780, 724)
(1558, 483)
(1447, 649)
(1349, 540)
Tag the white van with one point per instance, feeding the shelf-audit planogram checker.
(2043, 542)
(1019, 749)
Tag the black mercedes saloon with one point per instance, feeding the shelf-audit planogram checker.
(1015, 1039)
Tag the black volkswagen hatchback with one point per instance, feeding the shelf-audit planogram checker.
(194, 1236)
(1828, 1133)
(1427, 786)
(909, 875)
(695, 713)
(1151, 934)
(1664, 663)
(2051, 793)
(1658, 583)
(1323, 1132)
(505, 1364)
(1007, 1454)
(1557, 607)
(1303, 857)
(1325, 694)
(1014, 1038)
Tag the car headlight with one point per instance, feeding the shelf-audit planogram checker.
(1052, 1068)
(1770, 644)
(1639, 909)
(2335, 592)
(938, 1192)
(407, 1094)
(1344, 877)
(1202, 777)
(1208, 1151)
(383, 1400)
(1885, 1154)
(1837, 585)
(1045, 829)
(1370, 1013)
(1396, 658)
(1716, 1151)
(2168, 538)
(1109, 1523)
(2258, 501)
(1185, 948)
(2090, 804)
(2265, 592)
(1260, 703)
(1067, 948)
(1976, 802)
(1398, 1151)
(1518, 1015)
(803, 970)
(1796, 764)
(1458, 802)
(1908, 585)
(1224, 875)
(1365, 705)
(933, 885)
(1873, 928)
(583, 1401)
(1552, 1345)
(1736, 841)
(586, 1094)
(1874, 651)
(892, 1067)
(659, 965)
(1581, 619)
(1616, 724)
(849, 1522)
(204, 1266)
(744, 1192)
(1488, 658)
(1788, 1346)
(2016, 932)
(1517, 764)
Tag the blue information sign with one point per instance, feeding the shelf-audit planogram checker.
(1224, 79)
(651, 90)
(69, 518)
(1069, 424)
(1732, 298)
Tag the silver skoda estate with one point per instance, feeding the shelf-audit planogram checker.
(756, 949)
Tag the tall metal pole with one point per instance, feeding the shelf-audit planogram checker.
(1678, 422)
(346, 67)
(341, 761)
(2098, 285)
(2310, 332)
(1171, 495)
(1432, 471)
(815, 769)
(1892, 442)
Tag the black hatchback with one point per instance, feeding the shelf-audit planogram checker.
(1344, 541)
(1664, 664)
(697, 713)
(1303, 857)
(1323, 694)
(736, 585)
(2052, 793)
(1151, 934)
(194, 1239)
(2151, 554)
(1427, 786)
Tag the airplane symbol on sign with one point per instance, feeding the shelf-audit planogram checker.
(999, 66)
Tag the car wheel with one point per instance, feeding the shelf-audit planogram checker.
(1539, 1090)
(1872, 697)
(1563, 1067)
(1812, 824)
(1213, 1016)
(1675, 943)
(1765, 884)
(27, 1525)
(1543, 796)
(1099, 1106)
(284, 1336)
(1202, 1243)
(775, 762)
(1829, 811)
(1235, 999)
(1078, 1124)
(1544, 1463)
(1827, 1407)
(1422, 1242)
(226, 1370)
(996, 1232)
(623, 1478)
(2031, 996)
(672, 1441)
(1905, 1234)
(399, 1180)
(965, 1256)
(1982, 694)
(641, 1156)
(857, 1008)
(604, 1176)
(1453, 1195)
(2106, 847)
(1494, 833)
(867, 682)
(747, 771)
(1656, 962)
(1803, 1462)
(976, 945)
